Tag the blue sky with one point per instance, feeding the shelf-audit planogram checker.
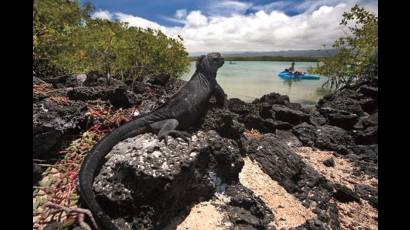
(159, 10)
(236, 25)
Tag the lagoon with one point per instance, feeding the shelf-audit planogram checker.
(248, 80)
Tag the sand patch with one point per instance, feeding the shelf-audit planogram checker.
(341, 172)
(288, 211)
(353, 215)
(203, 216)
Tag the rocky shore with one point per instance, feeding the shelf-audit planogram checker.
(319, 165)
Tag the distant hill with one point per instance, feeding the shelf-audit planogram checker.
(282, 53)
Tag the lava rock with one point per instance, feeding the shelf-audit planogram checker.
(333, 138)
(273, 98)
(58, 81)
(339, 118)
(344, 194)
(145, 183)
(306, 133)
(344, 100)
(138, 87)
(89, 93)
(266, 110)
(282, 125)
(92, 78)
(118, 96)
(245, 210)
(287, 137)
(72, 81)
(158, 79)
(36, 173)
(37, 81)
(286, 114)
(317, 119)
(366, 159)
(252, 121)
(369, 91)
(368, 193)
(313, 224)
(224, 122)
(369, 105)
(329, 162)
(240, 107)
(367, 137)
(121, 97)
(295, 106)
(367, 121)
(54, 123)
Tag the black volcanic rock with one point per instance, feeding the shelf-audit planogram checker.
(287, 114)
(118, 96)
(252, 121)
(149, 184)
(224, 122)
(339, 118)
(158, 79)
(240, 107)
(368, 193)
(344, 194)
(54, 123)
(121, 97)
(306, 133)
(329, 162)
(247, 211)
(273, 98)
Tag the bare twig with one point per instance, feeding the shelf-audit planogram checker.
(82, 223)
(46, 165)
(75, 210)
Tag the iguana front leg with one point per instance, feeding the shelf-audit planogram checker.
(220, 96)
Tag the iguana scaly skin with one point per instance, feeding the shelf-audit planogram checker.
(181, 111)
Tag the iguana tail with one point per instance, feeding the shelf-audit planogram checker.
(94, 161)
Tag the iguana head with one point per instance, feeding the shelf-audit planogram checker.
(210, 63)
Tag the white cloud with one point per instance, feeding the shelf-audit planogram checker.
(268, 29)
(279, 6)
(138, 21)
(228, 8)
(181, 13)
(196, 19)
(102, 14)
(323, 10)
(263, 31)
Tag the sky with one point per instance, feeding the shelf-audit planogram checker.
(236, 25)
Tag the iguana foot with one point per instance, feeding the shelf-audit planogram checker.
(163, 137)
(174, 133)
(182, 134)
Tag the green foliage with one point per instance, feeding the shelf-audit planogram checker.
(67, 38)
(53, 19)
(357, 57)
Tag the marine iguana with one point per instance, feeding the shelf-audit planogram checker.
(181, 111)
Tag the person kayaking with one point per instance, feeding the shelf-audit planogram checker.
(292, 67)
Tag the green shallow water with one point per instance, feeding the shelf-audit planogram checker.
(248, 80)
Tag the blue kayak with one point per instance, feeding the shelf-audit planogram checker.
(288, 76)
